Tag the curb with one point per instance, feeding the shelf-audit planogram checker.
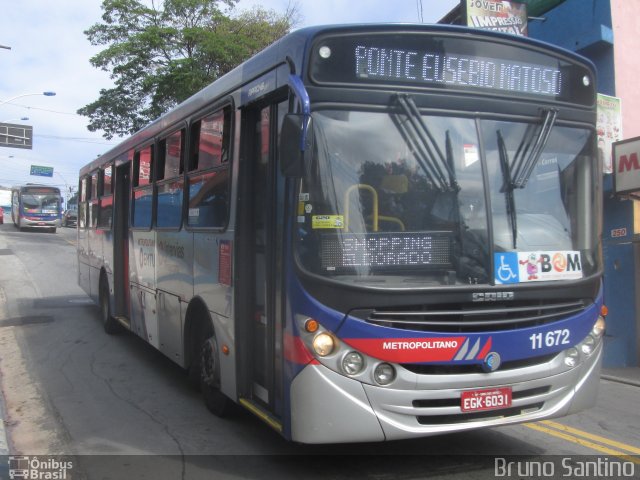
(626, 381)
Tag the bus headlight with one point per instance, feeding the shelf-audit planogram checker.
(599, 327)
(384, 374)
(571, 357)
(323, 344)
(352, 363)
(588, 345)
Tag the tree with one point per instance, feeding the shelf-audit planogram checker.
(160, 56)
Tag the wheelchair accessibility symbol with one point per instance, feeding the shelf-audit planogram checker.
(506, 267)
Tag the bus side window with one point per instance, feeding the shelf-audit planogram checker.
(170, 187)
(209, 171)
(142, 201)
(106, 198)
(82, 203)
(93, 201)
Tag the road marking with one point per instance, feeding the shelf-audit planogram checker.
(591, 436)
(585, 443)
(73, 244)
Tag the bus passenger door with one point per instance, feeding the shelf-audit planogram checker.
(262, 228)
(121, 240)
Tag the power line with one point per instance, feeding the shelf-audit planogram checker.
(76, 139)
(28, 107)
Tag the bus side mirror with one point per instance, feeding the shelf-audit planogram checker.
(296, 144)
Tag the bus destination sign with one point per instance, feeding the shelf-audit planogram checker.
(385, 250)
(448, 62)
(457, 70)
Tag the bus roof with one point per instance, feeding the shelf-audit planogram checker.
(35, 185)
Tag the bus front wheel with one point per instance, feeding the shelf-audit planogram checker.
(109, 323)
(216, 401)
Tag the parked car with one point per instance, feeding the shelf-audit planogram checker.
(70, 216)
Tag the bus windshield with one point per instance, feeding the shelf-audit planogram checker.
(404, 200)
(40, 203)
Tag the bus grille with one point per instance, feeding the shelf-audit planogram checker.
(474, 317)
(478, 416)
(453, 369)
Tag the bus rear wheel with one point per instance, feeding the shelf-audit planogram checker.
(216, 401)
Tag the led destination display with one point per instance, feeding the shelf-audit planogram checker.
(473, 63)
(382, 251)
(460, 70)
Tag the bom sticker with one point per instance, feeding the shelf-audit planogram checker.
(518, 267)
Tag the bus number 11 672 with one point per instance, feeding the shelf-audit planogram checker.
(551, 339)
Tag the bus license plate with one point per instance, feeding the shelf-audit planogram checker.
(488, 399)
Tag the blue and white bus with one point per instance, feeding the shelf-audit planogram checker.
(365, 233)
(36, 207)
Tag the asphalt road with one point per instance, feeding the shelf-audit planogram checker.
(123, 410)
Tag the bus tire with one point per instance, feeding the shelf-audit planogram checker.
(110, 324)
(209, 359)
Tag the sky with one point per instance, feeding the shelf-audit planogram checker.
(50, 53)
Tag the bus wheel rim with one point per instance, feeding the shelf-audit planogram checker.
(209, 357)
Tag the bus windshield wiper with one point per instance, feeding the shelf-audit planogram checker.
(438, 169)
(526, 158)
(507, 187)
(530, 149)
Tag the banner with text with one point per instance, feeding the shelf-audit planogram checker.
(498, 15)
(609, 128)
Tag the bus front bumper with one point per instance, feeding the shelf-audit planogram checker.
(38, 223)
(327, 407)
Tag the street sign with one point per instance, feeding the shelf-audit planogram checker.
(16, 136)
(626, 166)
(40, 171)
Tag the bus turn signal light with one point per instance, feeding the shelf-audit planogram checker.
(311, 325)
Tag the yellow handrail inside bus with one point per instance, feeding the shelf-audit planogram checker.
(374, 194)
(386, 218)
(376, 215)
